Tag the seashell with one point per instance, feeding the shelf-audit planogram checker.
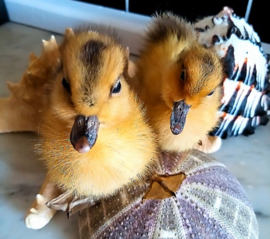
(209, 203)
(246, 102)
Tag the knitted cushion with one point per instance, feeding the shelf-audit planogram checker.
(210, 203)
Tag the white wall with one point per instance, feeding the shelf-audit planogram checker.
(56, 15)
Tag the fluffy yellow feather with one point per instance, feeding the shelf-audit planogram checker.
(94, 138)
(179, 82)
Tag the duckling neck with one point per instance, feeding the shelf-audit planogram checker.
(131, 135)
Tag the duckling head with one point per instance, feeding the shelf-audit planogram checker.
(189, 82)
(91, 91)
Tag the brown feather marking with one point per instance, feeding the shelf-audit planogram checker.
(168, 25)
(91, 56)
(91, 51)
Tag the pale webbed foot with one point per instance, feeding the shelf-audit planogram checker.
(209, 144)
(39, 215)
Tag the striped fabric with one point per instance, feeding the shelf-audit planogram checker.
(245, 103)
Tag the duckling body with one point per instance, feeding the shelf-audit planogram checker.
(179, 82)
(121, 147)
(94, 138)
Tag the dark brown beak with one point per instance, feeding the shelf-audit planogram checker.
(178, 116)
(84, 133)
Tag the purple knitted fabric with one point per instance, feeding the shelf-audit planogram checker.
(210, 203)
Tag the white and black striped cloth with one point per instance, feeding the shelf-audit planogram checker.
(245, 103)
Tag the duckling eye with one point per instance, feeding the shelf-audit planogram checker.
(66, 85)
(117, 88)
(183, 75)
(211, 93)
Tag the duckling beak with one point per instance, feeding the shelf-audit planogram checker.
(84, 133)
(178, 116)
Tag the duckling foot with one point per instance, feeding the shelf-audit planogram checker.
(39, 215)
(209, 144)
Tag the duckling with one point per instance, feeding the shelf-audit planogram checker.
(179, 82)
(94, 138)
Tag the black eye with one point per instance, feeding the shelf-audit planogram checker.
(116, 89)
(211, 93)
(66, 85)
(183, 75)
